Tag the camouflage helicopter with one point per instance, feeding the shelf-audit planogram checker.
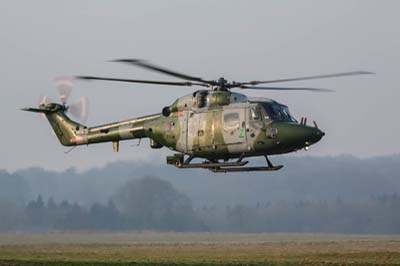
(215, 124)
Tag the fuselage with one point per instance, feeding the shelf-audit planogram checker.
(223, 125)
(206, 124)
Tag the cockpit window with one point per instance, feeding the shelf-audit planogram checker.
(277, 112)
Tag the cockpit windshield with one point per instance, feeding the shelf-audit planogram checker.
(277, 112)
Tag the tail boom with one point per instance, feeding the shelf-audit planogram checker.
(71, 133)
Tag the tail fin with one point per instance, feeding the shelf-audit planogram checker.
(68, 132)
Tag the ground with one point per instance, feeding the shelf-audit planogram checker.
(150, 248)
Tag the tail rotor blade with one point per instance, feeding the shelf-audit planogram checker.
(64, 86)
(43, 100)
(80, 109)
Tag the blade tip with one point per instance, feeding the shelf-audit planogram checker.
(370, 73)
(364, 72)
(83, 77)
(127, 60)
(325, 90)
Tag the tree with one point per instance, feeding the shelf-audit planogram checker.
(11, 216)
(104, 217)
(152, 203)
(36, 213)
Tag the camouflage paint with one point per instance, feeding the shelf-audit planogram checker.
(206, 124)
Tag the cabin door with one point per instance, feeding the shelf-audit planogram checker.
(201, 131)
(193, 131)
(234, 125)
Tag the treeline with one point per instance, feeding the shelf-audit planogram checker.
(302, 178)
(143, 204)
(154, 204)
(39, 216)
(378, 215)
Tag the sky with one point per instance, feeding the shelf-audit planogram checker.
(240, 40)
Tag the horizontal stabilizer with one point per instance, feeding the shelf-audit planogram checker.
(36, 110)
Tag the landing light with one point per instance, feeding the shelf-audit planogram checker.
(307, 146)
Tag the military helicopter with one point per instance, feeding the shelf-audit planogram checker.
(215, 124)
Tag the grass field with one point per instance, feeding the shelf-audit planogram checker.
(149, 248)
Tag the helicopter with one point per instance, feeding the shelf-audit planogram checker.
(214, 124)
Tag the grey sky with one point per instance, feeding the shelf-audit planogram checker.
(241, 40)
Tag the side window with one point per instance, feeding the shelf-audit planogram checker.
(231, 121)
(201, 99)
(254, 113)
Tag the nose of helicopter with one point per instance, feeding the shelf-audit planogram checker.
(309, 135)
(316, 134)
(298, 136)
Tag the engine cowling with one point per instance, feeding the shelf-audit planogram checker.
(166, 111)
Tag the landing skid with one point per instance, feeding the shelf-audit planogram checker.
(244, 169)
(210, 165)
(178, 161)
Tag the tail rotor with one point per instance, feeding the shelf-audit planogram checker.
(79, 109)
(64, 86)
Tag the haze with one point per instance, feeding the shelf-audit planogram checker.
(240, 40)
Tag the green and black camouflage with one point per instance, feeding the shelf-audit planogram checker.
(206, 124)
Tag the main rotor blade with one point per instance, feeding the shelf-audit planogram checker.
(144, 81)
(143, 64)
(335, 75)
(286, 89)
